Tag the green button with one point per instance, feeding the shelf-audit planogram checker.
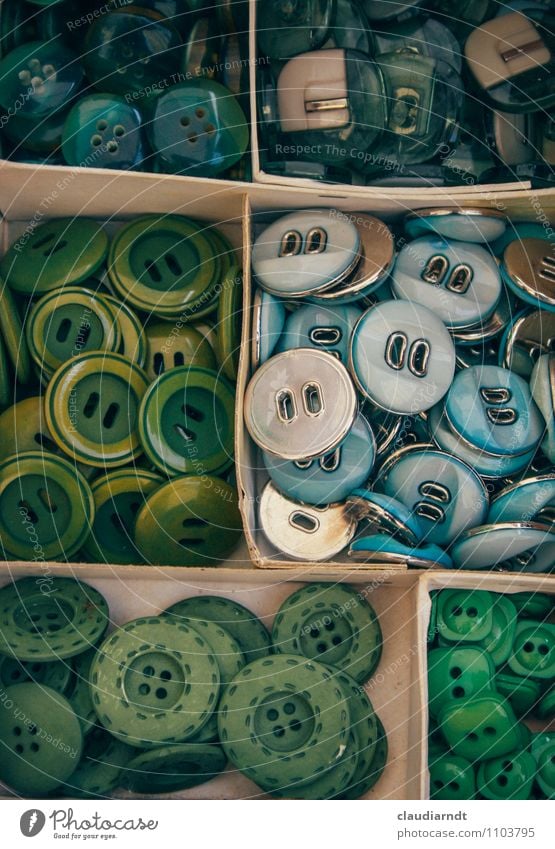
(436, 741)
(190, 521)
(79, 694)
(230, 315)
(546, 707)
(103, 131)
(6, 387)
(455, 674)
(367, 730)
(464, 615)
(170, 345)
(154, 681)
(13, 336)
(542, 749)
(532, 605)
(499, 642)
(118, 496)
(46, 506)
(52, 618)
(40, 739)
(101, 767)
(201, 51)
(332, 624)
(508, 777)
(186, 422)
(133, 344)
(55, 673)
(165, 266)
(174, 768)
(523, 693)
(57, 253)
(452, 778)
(533, 652)
(67, 322)
(38, 78)
(91, 408)
(480, 728)
(42, 136)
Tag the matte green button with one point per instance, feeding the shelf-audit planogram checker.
(118, 496)
(40, 739)
(186, 422)
(533, 652)
(79, 694)
(480, 728)
(230, 315)
(46, 506)
(103, 131)
(38, 78)
(154, 681)
(464, 615)
(164, 266)
(367, 730)
(55, 673)
(53, 618)
(13, 336)
(57, 253)
(523, 693)
(133, 344)
(67, 322)
(455, 674)
(190, 521)
(174, 768)
(508, 777)
(101, 767)
(452, 778)
(170, 345)
(91, 408)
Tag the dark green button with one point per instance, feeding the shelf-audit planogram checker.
(42, 136)
(542, 749)
(452, 778)
(170, 346)
(55, 673)
(174, 768)
(464, 615)
(38, 78)
(79, 694)
(201, 52)
(101, 767)
(6, 385)
(480, 728)
(13, 336)
(58, 252)
(533, 652)
(532, 605)
(230, 315)
(523, 693)
(46, 506)
(186, 422)
(226, 649)
(546, 707)
(287, 29)
(103, 131)
(368, 732)
(455, 674)
(190, 521)
(508, 777)
(40, 739)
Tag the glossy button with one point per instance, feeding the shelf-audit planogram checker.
(268, 320)
(531, 499)
(324, 328)
(300, 404)
(305, 252)
(533, 651)
(457, 673)
(13, 336)
(38, 78)
(133, 343)
(329, 478)
(384, 515)
(542, 384)
(480, 728)
(186, 422)
(459, 281)
(45, 506)
(467, 225)
(516, 546)
(402, 357)
(171, 346)
(464, 616)
(190, 521)
(529, 335)
(103, 131)
(91, 408)
(384, 550)
(508, 777)
(528, 268)
(451, 777)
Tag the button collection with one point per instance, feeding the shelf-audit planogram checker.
(117, 395)
(395, 420)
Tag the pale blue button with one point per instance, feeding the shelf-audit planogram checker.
(542, 385)
(526, 547)
(402, 357)
(326, 328)
(379, 544)
(471, 225)
(492, 409)
(526, 501)
(330, 478)
(269, 316)
(459, 281)
(386, 513)
(305, 252)
(446, 494)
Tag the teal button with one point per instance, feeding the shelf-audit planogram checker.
(37, 79)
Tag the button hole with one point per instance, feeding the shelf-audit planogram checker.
(63, 330)
(304, 522)
(111, 415)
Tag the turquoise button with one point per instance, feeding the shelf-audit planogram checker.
(327, 328)
(467, 225)
(268, 320)
(103, 131)
(531, 499)
(37, 79)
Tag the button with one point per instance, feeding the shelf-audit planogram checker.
(44, 137)
(370, 739)
(133, 343)
(455, 674)
(451, 778)
(57, 253)
(424, 36)
(201, 56)
(529, 335)
(531, 499)
(175, 526)
(542, 750)
(326, 328)
(287, 29)
(22, 428)
(445, 494)
(330, 624)
(546, 707)
(101, 767)
(305, 253)
(55, 674)
(513, 546)
(383, 10)
(509, 777)
(302, 531)
(117, 498)
(480, 728)
(230, 323)
(459, 281)
(79, 696)
(165, 266)
(169, 684)
(532, 605)
(300, 404)
(523, 693)
(542, 385)
(384, 515)
(533, 652)
(197, 128)
(41, 739)
(6, 386)
(466, 225)
(171, 346)
(46, 506)
(464, 615)
(528, 269)
(130, 50)
(333, 476)
(350, 28)
(39, 78)
(268, 320)
(103, 131)
(54, 625)
(402, 357)
(13, 336)
(384, 550)
(92, 408)
(174, 768)
(225, 648)
(186, 422)
(517, 230)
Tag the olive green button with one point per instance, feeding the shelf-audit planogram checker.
(533, 651)
(190, 521)
(67, 322)
(172, 345)
(464, 615)
(55, 673)
(367, 730)
(101, 767)
(91, 408)
(186, 422)
(6, 388)
(452, 778)
(46, 506)
(480, 728)
(50, 618)
(56, 253)
(174, 768)
(508, 777)
(79, 693)
(13, 336)
(40, 739)
(455, 674)
(133, 344)
(230, 314)
(118, 496)
(164, 266)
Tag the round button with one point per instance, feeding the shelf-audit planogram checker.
(384, 550)
(466, 225)
(268, 321)
(384, 515)
(531, 499)
(514, 546)
(528, 269)
(58, 252)
(55, 673)
(92, 408)
(39, 136)
(533, 651)
(285, 29)
(13, 336)
(171, 346)
(402, 357)
(528, 336)
(326, 328)
(451, 778)
(133, 343)
(103, 131)
(38, 78)
(507, 778)
(186, 422)
(190, 521)
(464, 615)
(481, 728)
(455, 674)
(300, 404)
(101, 767)
(230, 323)
(174, 768)
(542, 385)
(46, 506)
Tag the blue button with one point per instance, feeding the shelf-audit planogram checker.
(542, 384)
(327, 328)
(531, 499)
(379, 547)
(268, 320)
(468, 225)
(384, 514)
(515, 546)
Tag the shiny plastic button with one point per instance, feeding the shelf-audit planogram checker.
(533, 651)
(463, 615)
(384, 550)
(531, 499)
(14, 339)
(324, 328)
(170, 347)
(103, 131)
(528, 336)
(516, 546)
(480, 728)
(528, 268)
(268, 320)
(451, 778)
(40, 78)
(133, 343)
(509, 777)
(542, 385)
(467, 225)
(384, 515)
(457, 673)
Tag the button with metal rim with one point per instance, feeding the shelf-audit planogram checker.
(514, 546)
(171, 346)
(92, 408)
(230, 322)
(186, 422)
(382, 514)
(190, 521)
(302, 531)
(531, 499)
(385, 550)
(528, 269)
(268, 320)
(542, 386)
(529, 335)
(489, 330)
(466, 225)
(325, 328)
(43, 626)
(174, 768)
